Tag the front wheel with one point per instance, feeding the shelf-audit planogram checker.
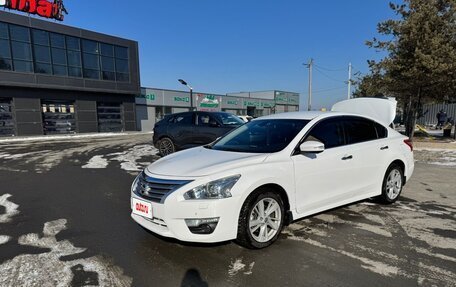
(261, 220)
(166, 146)
(392, 184)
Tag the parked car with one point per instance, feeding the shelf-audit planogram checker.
(246, 119)
(271, 171)
(185, 130)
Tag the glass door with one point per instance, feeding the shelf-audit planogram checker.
(109, 117)
(6, 118)
(58, 117)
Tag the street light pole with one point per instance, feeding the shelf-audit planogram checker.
(349, 80)
(309, 101)
(191, 92)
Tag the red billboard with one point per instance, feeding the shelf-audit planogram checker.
(47, 9)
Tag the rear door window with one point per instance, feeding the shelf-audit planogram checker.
(329, 132)
(358, 130)
(182, 119)
(382, 132)
(205, 120)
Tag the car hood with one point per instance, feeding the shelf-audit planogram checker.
(202, 161)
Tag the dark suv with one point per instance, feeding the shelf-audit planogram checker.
(190, 129)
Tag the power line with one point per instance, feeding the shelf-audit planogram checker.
(330, 70)
(329, 77)
(327, 90)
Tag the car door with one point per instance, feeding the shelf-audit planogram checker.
(207, 128)
(323, 179)
(370, 150)
(181, 128)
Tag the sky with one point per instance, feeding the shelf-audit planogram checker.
(242, 45)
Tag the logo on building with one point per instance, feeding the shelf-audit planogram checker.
(47, 9)
(182, 99)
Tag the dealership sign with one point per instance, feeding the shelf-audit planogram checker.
(47, 9)
(210, 103)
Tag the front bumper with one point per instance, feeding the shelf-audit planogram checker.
(169, 218)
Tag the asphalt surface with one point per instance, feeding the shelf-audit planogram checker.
(65, 221)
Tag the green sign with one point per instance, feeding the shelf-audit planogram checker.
(281, 99)
(266, 105)
(209, 105)
(148, 97)
(182, 99)
(250, 104)
(235, 103)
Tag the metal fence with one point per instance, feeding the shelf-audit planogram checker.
(429, 117)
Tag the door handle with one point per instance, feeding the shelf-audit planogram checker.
(347, 157)
(384, 147)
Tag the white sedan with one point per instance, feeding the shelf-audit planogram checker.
(273, 170)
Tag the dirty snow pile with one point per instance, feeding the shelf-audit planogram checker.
(129, 160)
(443, 157)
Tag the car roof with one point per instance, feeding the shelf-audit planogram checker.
(303, 115)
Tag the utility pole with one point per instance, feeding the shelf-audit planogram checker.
(349, 80)
(309, 101)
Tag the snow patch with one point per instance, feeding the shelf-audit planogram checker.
(129, 159)
(235, 267)
(4, 239)
(366, 263)
(46, 269)
(96, 162)
(69, 137)
(238, 266)
(10, 207)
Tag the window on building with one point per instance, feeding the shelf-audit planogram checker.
(5, 53)
(89, 46)
(57, 40)
(32, 50)
(73, 43)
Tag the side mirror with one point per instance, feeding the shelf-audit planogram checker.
(312, 147)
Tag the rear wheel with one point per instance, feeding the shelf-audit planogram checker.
(166, 146)
(261, 219)
(392, 184)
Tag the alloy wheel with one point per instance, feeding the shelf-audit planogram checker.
(264, 220)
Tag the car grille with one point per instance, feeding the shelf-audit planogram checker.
(155, 189)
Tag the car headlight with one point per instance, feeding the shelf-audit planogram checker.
(216, 189)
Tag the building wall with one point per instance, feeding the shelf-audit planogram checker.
(13, 78)
(88, 103)
(153, 104)
(28, 114)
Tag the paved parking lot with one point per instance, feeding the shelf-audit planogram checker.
(65, 221)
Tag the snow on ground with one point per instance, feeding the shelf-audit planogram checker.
(436, 156)
(129, 159)
(67, 137)
(41, 157)
(47, 269)
(11, 209)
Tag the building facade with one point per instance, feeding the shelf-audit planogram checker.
(153, 104)
(56, 79)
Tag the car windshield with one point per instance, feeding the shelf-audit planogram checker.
(229, 119)
(261, 136)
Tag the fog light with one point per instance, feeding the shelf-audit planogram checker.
(202, 225)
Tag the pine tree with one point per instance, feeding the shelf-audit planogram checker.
(420, 65)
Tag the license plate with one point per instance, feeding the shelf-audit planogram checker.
(142, 208)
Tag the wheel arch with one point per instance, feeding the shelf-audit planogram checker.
(401, 164)
(277, 188)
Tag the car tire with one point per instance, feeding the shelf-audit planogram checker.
(166, 146)
(256, 231)
(392, 185)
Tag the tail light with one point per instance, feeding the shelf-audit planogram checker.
(409, 143)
